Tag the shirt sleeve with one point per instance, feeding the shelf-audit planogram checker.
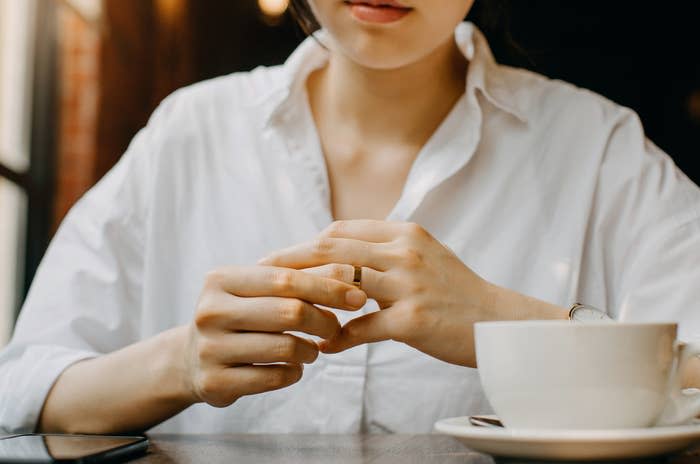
(85, 299)
(644, 233)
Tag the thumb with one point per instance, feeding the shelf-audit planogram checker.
(370, 328)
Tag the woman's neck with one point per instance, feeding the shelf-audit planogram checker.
(404, 105)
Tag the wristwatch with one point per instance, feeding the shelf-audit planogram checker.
(584, 313)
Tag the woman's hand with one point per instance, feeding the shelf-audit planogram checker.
(237, 345)
(429, 298)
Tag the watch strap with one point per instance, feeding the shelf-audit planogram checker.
(577, 306)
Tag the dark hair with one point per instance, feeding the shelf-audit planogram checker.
(491, 16)
(305, 17)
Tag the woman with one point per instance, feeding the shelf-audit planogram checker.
(391, 150)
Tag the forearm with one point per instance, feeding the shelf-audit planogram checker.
(511, 305)
(502, 304)
(129, 390)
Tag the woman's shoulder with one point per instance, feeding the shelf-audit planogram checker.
(562, 96)
(578, 125)
(585, 132)
(216, 112)
(236, 92)
(546, 101)
(199, 126)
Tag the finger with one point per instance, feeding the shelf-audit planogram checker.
(373, 327)
(263, 281)
(327, 250)
(226, 385)
(381, 286)
(259, 348)
(367, 230)
(272, 314)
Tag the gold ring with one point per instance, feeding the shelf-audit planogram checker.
(357, 277)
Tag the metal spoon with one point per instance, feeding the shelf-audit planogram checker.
(483, 421)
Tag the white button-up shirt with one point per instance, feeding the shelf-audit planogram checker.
(535, 184)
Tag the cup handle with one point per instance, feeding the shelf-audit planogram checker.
(683, 405)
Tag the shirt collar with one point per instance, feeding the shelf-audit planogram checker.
(484, 74)
(493, 80)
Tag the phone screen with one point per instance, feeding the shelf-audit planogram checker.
(52, 448)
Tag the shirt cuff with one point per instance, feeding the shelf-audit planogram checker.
(26, 377)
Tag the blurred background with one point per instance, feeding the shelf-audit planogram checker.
(78, 78)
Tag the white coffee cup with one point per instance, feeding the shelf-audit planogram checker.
(572, 375)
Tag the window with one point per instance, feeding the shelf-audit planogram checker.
(17, 20)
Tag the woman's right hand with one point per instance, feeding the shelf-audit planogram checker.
(237, 343)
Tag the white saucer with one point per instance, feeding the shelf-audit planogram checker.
(570, 444)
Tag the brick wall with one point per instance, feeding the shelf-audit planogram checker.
(78, 50)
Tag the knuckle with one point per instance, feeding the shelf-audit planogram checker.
(201, 320)
(206, 349)
(214, 278)
(215, 310)
(414, 286)
(275, 378)
(234, 318)
(283, 280)
(353, 332)
(412, 257)
(335, 229)
(221, 400)
(332, 290)
(209, 387)
(415, 230)
(285, 349)
(337, 272)
(322, 246)
(206, 313)
(293, 314)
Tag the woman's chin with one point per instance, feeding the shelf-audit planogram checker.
(380, 63)
(380, 55)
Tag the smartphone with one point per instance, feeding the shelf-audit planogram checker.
(48, 448)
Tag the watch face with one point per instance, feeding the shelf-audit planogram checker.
(584, 313)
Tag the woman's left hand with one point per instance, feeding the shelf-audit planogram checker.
(429, 298)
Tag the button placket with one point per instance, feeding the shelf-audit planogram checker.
(307, 166)
(448, 150)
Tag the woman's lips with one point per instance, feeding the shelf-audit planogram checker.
(382, 12)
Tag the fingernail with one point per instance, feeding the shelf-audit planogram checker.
(355, 298)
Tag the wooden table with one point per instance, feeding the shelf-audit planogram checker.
(328, 449)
